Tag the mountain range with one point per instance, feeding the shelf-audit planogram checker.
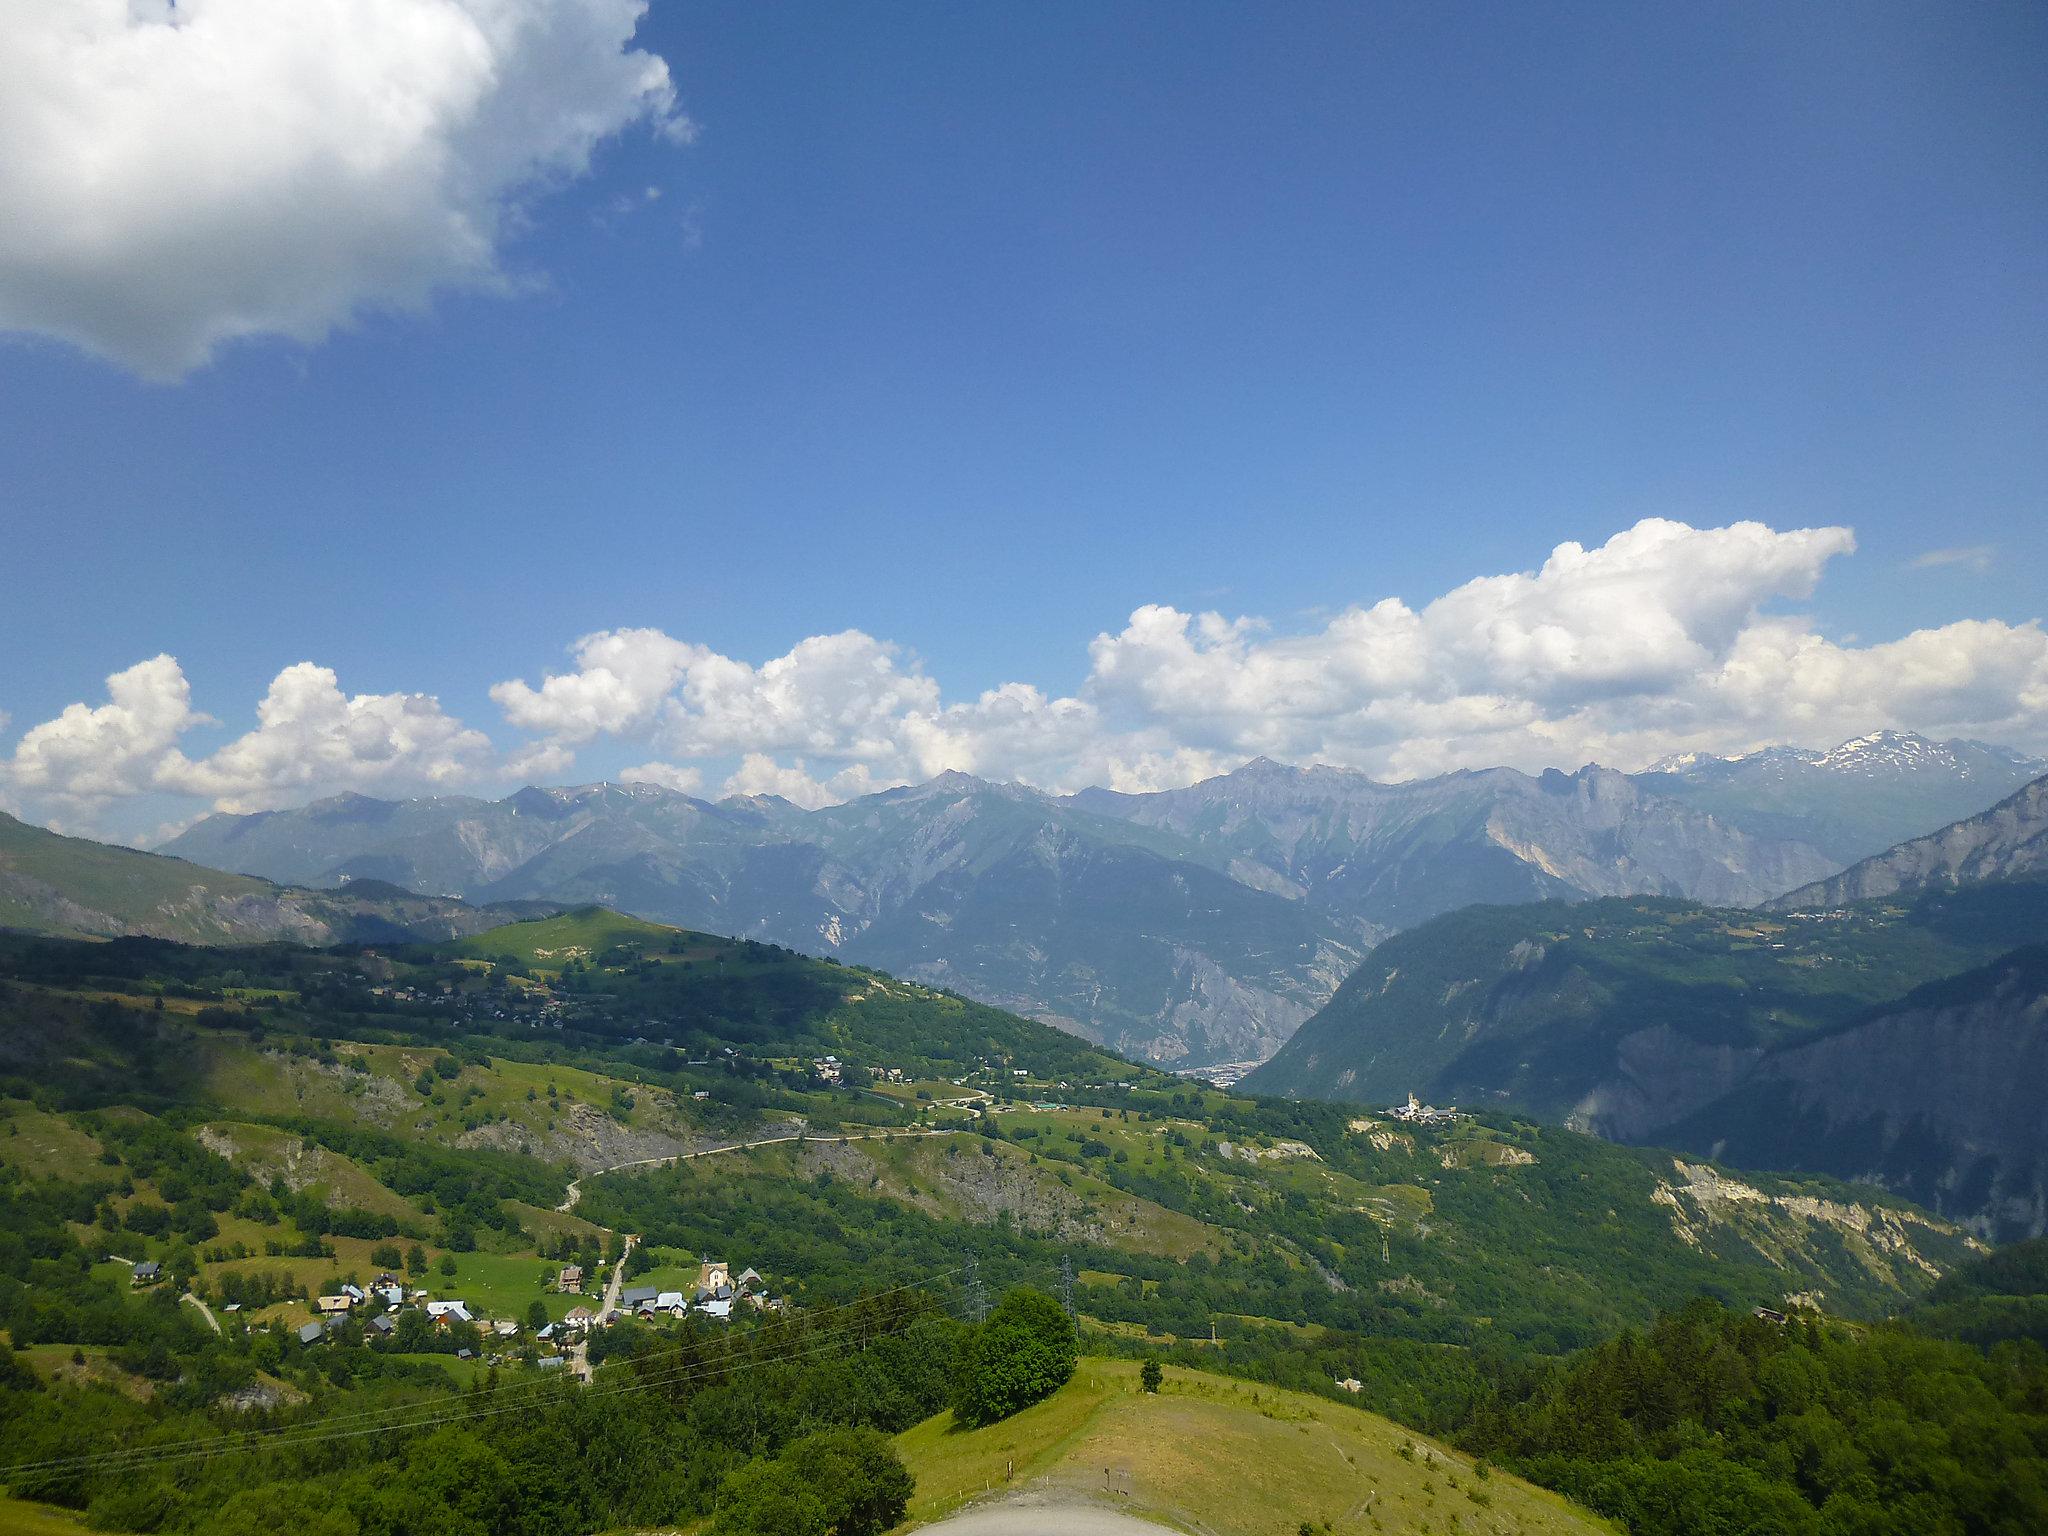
(2008, 840)
(1898, 1039)
(1187, 927)
(81, 889)
(1854, 800)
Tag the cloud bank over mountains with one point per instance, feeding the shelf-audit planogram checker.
(1666, 638)
(180, 176)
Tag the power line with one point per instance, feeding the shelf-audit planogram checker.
(506, 1399)
(977, 1298)
(322, 1434)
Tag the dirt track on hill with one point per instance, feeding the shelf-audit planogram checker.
(1030, 1517)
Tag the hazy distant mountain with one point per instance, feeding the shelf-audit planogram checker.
(1389, 856)
(77, 888)
(1192, 926)
(2010, 839)
(1850, 802)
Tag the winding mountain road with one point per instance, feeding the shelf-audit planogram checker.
(575, 1190)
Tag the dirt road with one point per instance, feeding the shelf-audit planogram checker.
(1029, 1517)
(575, 1190)
(579, 1352)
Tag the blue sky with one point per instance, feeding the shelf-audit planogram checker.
(977, 328)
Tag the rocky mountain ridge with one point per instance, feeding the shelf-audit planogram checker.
(2008, 840)
(1185, 927)
(73, 887)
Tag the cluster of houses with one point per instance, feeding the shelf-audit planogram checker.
(386, 1297)
(716, 1291)
(1424, 1114)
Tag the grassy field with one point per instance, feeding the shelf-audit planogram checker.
(264, 1152)
(21, 1518)
(1226, 1458)
(501, 1285)
(46, 1146)
(580, 935)
(55, 1362)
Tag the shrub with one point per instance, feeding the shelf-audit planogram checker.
(1024, 1352)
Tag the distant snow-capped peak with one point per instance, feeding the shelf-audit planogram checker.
(1876, 753)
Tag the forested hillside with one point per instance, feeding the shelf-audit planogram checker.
(1782, 1039)
(271, 1124)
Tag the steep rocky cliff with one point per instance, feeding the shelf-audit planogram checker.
(1767, 1041)
(1942, 1098)
(2010, 839)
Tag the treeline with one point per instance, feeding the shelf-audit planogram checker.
(732, 1424)
(1713, 1420)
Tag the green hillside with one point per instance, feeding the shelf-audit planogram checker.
(267, 1122)
(1211, 1454)
(1527, 1005)
(72, 887)
(55, 884)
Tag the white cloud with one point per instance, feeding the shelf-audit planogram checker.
(1974, 557)
(684, 781)
(310, 740)
(175, 179)
(622, 679)
(1665, 638)
(94, 753)
(760, 774)
(1662, 638)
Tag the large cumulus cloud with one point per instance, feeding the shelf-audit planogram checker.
(311, 739)
(175, 178)
(1665, 638)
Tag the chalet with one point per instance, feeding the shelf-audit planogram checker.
(551, 1362)
(547, 1331)
(233, 1306)
(749, 1280)
(312, 1333)
(443, 1313)
(675, 1303)
(148, 1272)
(632, 1299)
(578, 1317)
(1350, 1384)
(391, 1295)
(570, 1280)
(353, 1292)
(1769, 1315)
(331, 1306)
(504, 1327)
(716, 1308)
(382, 1324)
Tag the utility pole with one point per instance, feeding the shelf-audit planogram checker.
(977, 1299)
